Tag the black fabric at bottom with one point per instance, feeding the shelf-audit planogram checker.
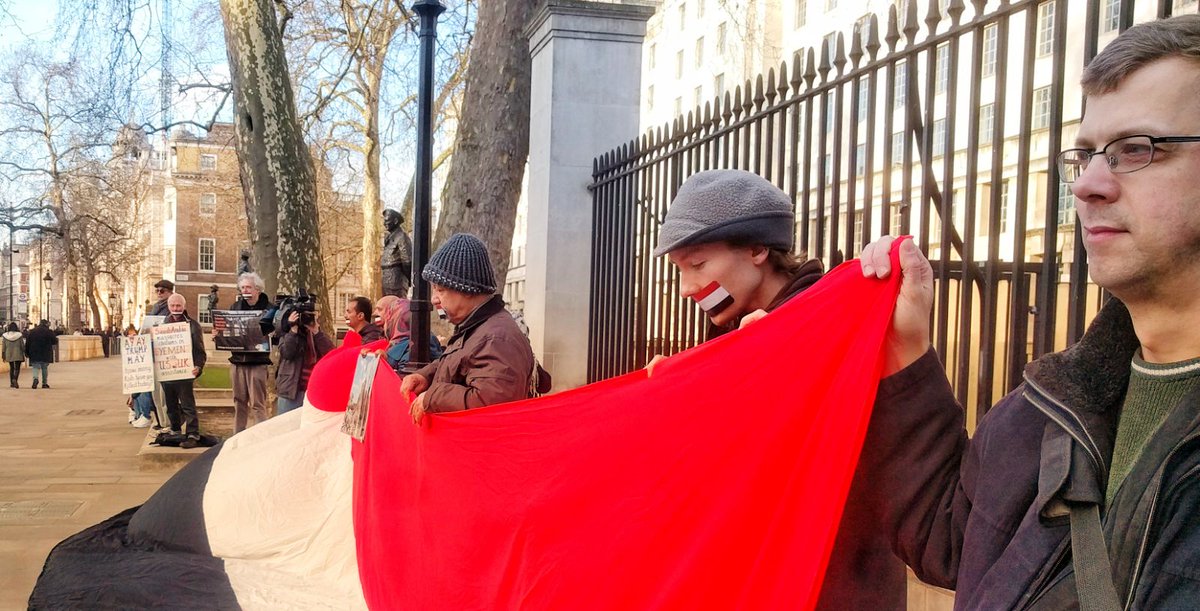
(100, 568)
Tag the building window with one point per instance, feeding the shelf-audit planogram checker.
(1045, 29)
(1066, 204)
(989, 50)
(987, 114)
(700, 52)
(828, 161)
(1004, 207)
(858, 233)
(679, 64)
(830, 5)
(943, 67)
(683, 16)
(653, 56)
(699, 9)
(208, 162)
(650, 97)
(678, 106)
(897, 218)
(208, 255)
(169, 208)
(721, 30)
(939, 137)
(208, 204)
(699, 97)
(719, 85)
(801, 13)
(899, 94)
(860, 160)
(1111, 18)
(1041, 108)
(897, 148)
(831, 46)
(864, 98)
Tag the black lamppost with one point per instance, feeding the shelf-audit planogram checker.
(428, 11)
(112, 309)
(47, 279)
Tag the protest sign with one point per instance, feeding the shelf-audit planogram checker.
(354, 423)
(239, 331)
(149, 322)
(137, 364)
(173, 351)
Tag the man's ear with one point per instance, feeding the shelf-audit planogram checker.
(759, 254)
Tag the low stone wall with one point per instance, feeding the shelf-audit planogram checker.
(79, 347)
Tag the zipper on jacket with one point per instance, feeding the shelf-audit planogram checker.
(1036, 394)
(1141, 555)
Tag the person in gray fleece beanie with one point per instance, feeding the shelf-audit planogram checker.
(730, 233)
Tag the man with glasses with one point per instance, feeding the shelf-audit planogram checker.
(163, 289)
(1081, 489)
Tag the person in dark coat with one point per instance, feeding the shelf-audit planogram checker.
(487, 360)
(1079, 488)
(299, 350)
(163, 288)
(39, 346)
(730, 234)
(248, 369)
(179, 395)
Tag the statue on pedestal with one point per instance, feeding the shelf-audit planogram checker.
(397, 256)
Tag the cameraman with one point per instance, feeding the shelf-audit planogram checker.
(302, 345)
(249, 369)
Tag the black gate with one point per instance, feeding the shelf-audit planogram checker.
(863, 133)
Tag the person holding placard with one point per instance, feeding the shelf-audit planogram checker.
(178, 394)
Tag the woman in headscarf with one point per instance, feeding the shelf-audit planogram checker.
(393, 315)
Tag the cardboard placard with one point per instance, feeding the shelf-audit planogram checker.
(149, 322)
(239, 331)
(137, 364)
(173, 351)
(354, 423)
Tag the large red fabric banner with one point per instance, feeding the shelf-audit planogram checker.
(718, 483)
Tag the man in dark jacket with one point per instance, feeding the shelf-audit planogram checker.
(729, 232)
(163, 289)
(358, 317)
(487, 360)
(248, 369)
(39, 346)
(179, 395)
(1079, 488)
(299, 350)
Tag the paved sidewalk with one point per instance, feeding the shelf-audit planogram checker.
(68, 459)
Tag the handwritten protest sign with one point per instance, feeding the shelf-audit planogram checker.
(173, 351)
(354, 423)
(137, 364)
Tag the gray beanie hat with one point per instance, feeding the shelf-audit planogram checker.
(461, 264)
(720, 205)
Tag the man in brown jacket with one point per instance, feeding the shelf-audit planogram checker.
(487, 360)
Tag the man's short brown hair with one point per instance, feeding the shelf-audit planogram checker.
(1140, 45)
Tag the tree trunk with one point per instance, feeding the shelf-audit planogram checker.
(492, 142)
(275, 163)
(372, 207)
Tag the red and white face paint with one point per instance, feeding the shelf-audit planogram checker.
(713, 299)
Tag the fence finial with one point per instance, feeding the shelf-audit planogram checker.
(824, 67)
(770, 90)
(839, 57)
(810, 69)
(955, 9)
(910, 22)
(737, 102)
(873, 37)
(933, 15)
(782, 89)
(748, 99)
(856, 49)
(758, 92)
(893, 30)
(726, 108)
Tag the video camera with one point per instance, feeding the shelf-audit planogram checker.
(277, 316)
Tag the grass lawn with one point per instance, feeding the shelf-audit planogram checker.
(214, 377)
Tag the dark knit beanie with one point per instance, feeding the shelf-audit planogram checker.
(461, 264)
(728, 205)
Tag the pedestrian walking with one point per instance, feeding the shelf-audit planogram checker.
(39, 347)
(14, 352)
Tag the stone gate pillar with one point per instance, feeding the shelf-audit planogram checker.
(585, 100)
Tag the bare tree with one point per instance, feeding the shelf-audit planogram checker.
(492, 141)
